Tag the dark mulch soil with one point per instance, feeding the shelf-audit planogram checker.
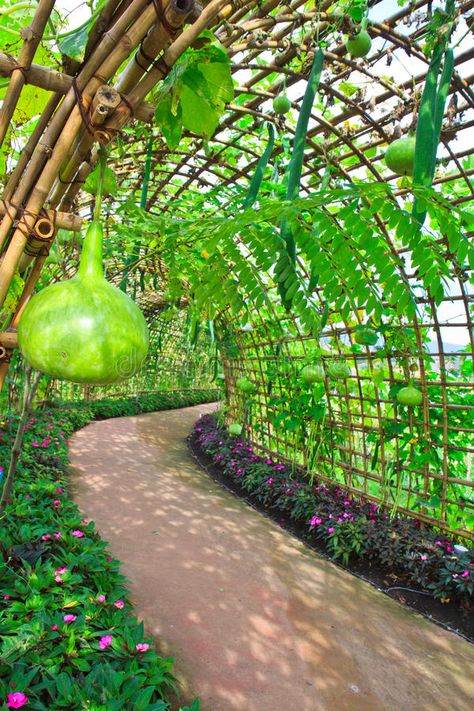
(450, 615)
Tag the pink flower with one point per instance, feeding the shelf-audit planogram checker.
(59, 490)
(270, 480)
(142, 647)
(100, 598)
(77, 533)
(423, 556)
(46, 537)
(109, 559)
(27, 496)
(105, 641)
(34, 444)
(17, 700)
(60, 571)
(6, 597)
(54, 627)
(69, 618)
(119, 604)
(58, 578)
(331, 529)
(316, 521)
(58, 534)
(465, 574)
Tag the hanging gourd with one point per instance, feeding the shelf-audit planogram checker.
(313, 374)
(359, 44)
(338, 370)
(281, 104)
(410, 396)
(400, 155)
(235, 429)
(245, 386)
(366, 336)
(84, 329)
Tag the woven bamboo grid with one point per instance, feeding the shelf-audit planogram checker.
(265, 42)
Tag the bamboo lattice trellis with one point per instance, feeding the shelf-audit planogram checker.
(266, 42)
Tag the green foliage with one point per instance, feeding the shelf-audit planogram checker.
(110, 186)
(349, 529)
(57, 662)
(195, 92)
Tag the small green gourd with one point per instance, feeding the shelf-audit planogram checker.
(84, 329)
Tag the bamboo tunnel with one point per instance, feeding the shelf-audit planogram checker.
(60, 139)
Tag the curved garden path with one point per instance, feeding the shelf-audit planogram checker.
(255, 620)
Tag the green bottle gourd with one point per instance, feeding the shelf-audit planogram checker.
(84, 329)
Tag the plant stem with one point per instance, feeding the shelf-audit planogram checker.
(100, 183)
(31, 385)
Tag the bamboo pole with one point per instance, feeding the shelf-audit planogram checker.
(160, 69)
(175, 13)
(9, 340)
(32, 36)
(79, 180)
(110, 41)
(106, 16)
(104, 103)
(52, 80)
(27, 151)
(63, 220)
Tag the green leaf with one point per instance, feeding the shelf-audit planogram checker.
(110, 186)
(171, 125)
(198, 116)
(74, 45)
(219, 80)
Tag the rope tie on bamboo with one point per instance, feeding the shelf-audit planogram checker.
(35, 231)
(160, 13)
(82, 110)
(161, 66)
(141, 52)
(127, 104)
(18, 67)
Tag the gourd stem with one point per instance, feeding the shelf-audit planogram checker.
(100, 183)
(91, 257)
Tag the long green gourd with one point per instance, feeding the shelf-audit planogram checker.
(285, 266)
(296, 162)
(443, 90)
(430, 117)
(260, 169)
(84, 329)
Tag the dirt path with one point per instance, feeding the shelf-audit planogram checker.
(256, 621)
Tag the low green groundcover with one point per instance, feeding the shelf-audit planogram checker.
(349, 528)
(68, 637)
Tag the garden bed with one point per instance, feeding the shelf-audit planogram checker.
(69, 638)
(408, 561)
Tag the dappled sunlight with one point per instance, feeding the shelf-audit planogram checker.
(257, 621)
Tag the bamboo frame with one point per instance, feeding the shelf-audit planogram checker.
(343, 135)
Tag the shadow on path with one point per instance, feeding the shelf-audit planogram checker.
(255, 620)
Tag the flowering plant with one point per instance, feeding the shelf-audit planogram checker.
(68, 637)
(347, 527)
